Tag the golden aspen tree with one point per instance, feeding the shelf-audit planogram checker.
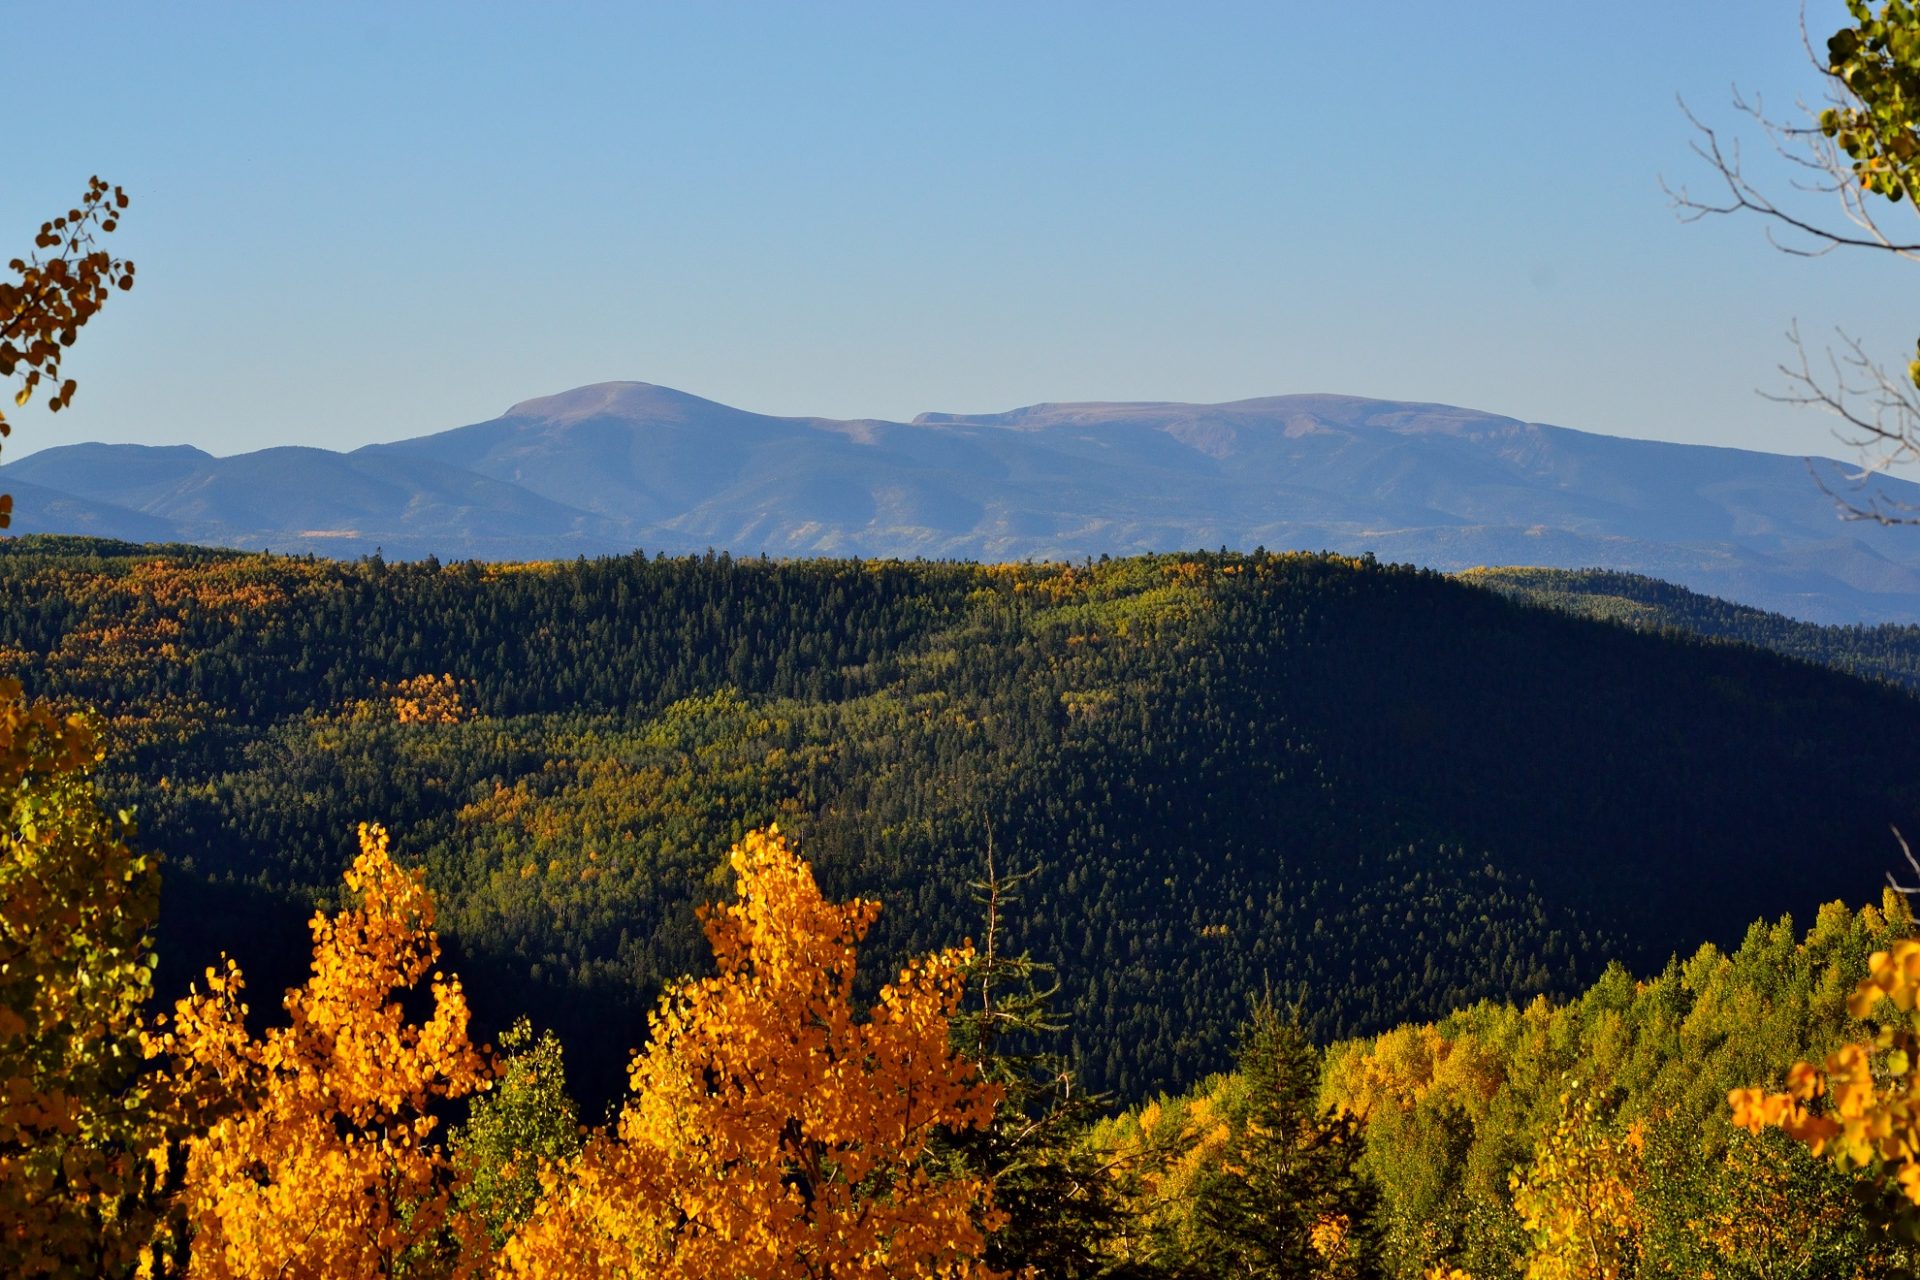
(770, 1133)
(1578, 1199)
(428, 700)
(43, 310)
(80, 1115)
(327, 1168)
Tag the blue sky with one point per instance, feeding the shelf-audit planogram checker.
(357, 223)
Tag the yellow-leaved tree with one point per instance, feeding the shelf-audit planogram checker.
(82, 1119)
(328, 1168)
(1578, 1198)
(770, 1133)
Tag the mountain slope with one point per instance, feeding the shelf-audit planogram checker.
(1223, 770)
(616, 465)
(1888, 652)
(307, 499)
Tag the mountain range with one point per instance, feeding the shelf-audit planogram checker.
(614, 466)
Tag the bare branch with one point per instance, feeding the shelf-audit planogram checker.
(1806, 148)
(1912, 889)
(1879, 419)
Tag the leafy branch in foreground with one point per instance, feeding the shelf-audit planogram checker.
(41, 312)
(1861, 1106)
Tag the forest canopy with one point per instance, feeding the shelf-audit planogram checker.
(1222, 771)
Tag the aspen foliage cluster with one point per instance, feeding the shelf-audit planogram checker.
(428, 699)
(1861, 1106)
(771, 1131)
(80, 1115)
(328, 1166)
(61, 285)
(1577, 1197)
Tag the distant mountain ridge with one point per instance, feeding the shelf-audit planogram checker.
(608, 467)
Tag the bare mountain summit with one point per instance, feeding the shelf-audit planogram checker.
(609, 467)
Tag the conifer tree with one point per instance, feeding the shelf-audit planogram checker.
(1286, 1199)
(1059, 1201)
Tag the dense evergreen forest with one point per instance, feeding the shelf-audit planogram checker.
(1889, 651)
(1370, 788)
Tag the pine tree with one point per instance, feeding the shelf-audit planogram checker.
(1287, 1198)
(1060, 1206)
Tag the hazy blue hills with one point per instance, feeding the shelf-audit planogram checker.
(612, 466)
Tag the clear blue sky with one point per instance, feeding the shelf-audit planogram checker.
(356, 223)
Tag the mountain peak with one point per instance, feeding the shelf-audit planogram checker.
(607, 467)
(633, 400)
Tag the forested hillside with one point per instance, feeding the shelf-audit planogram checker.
(1376, 787)
(1890, 651)
(1592, 1133)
